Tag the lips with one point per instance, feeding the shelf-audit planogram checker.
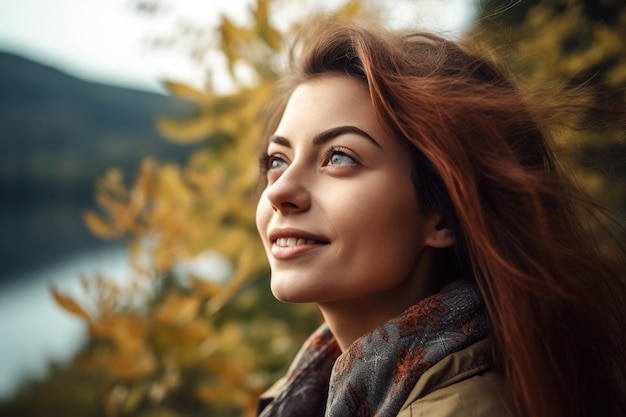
(286, 242)
(291, 243)
(291, 237)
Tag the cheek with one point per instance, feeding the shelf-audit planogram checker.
(387, 223)
(382, 203)
(263, 215)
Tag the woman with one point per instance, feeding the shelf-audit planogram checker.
(410, 193)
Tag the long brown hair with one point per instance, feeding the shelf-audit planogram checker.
(482, 159)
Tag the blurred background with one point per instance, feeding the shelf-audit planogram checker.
(131, 278)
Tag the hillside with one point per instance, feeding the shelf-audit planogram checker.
(57, 135)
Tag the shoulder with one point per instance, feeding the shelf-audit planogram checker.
(461, 384)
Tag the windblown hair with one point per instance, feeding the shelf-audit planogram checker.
(482, 159)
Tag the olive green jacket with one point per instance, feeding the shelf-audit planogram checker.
(460, 385)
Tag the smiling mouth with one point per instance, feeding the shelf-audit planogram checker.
(287, 242)
(290, 247)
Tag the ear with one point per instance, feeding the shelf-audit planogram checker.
(437, 234)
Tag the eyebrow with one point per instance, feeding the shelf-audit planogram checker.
(327, 135)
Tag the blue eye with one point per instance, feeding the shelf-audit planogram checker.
(336, 156)
(271, 164)
(340, 159)
(276, 162)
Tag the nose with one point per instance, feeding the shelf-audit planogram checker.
(289, 194)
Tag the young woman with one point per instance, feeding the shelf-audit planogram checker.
(411, 194)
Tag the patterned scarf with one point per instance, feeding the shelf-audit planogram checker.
(378, 371)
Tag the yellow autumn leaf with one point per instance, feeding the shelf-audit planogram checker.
(113, 182)
(99, 227)
(187, 131)
(145, 177)
(264, 29)
(187, 92)
(69, 305)
(204, 287)
(128, 333)
(350, 9)
(177, 309)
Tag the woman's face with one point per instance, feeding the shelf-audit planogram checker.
(339, 218)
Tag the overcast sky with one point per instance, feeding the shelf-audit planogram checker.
(108, 40)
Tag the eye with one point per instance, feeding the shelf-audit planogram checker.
(338, 156)
(272, 164)
(275, 162)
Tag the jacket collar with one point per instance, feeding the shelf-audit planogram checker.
(377, 373)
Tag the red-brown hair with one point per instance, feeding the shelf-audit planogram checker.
(482, 159)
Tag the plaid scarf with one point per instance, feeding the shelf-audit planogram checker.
(375, 375)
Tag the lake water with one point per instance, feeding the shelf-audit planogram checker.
(34, 329)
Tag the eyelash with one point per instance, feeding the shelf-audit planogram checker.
(264, 162)
(266, 159)
(337, 150)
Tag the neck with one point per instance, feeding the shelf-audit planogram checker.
(350, 319)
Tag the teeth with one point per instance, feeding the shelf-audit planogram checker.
(292, 241)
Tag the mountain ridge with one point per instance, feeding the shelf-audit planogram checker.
(58, 134)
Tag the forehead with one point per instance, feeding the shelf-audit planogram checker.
(329, 101)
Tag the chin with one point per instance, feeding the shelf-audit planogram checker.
(289, 293)
(289, 296)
